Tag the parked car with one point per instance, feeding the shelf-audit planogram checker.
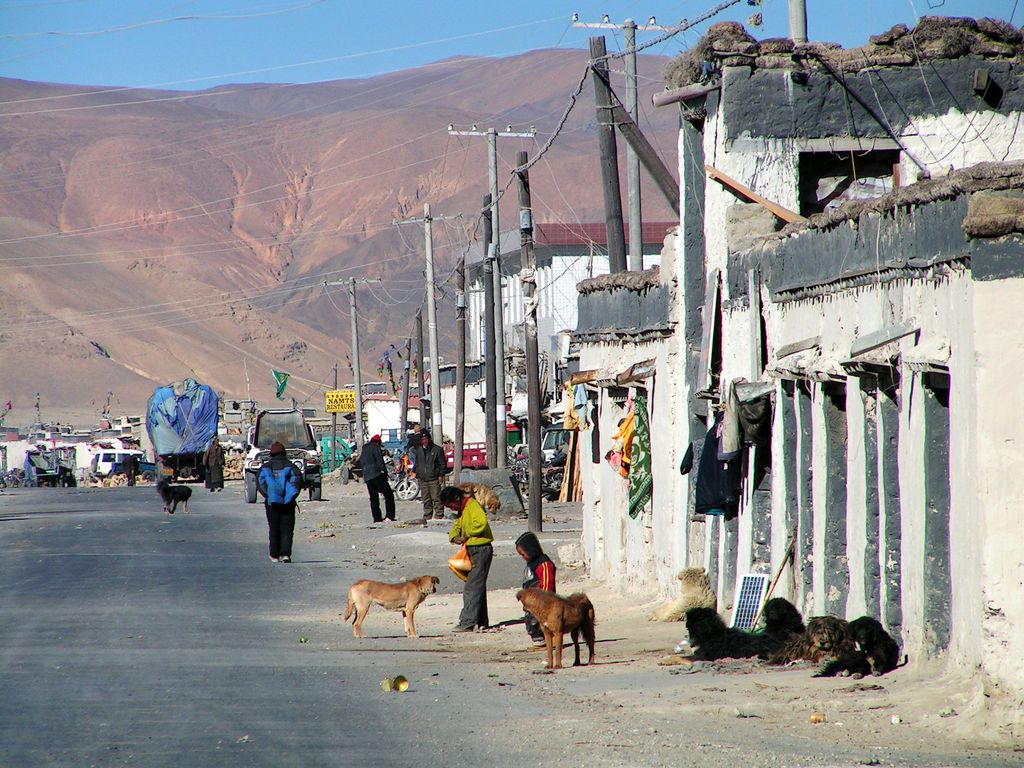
(108, 462)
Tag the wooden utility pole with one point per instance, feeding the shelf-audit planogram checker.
(406, 386)
(609, 158)
(460, 366)
(528, 276)
(420, 386)
(334, 425)
(496, 309)
(356, 373)
(629, 29)
(489, 355)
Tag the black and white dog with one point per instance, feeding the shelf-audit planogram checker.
(172, 494)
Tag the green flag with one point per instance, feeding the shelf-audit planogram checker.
(281, 379)
(640, 481)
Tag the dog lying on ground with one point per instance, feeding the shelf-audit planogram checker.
(404, 597)
(694, 592)
(827, 641)
(487, 498)
(172, 494)
(882, 652)
(558, 615)
(711, 639)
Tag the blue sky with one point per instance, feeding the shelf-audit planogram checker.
(193, 44)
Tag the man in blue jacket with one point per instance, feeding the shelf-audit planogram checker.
(280, 483)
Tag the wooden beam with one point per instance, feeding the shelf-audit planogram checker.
(785, 214)
(676, 95)
(583, 377)
(646, 153)
(637, 372)
(648, 156)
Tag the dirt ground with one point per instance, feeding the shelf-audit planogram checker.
(630, 708)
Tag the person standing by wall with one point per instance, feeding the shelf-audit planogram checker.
(279, 483)
(431, 466)
(213, 460)
(375, 475)
(471, 528)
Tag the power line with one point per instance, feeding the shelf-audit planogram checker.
(312, 62)
(157, 22)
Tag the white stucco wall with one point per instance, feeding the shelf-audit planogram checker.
(996, 468)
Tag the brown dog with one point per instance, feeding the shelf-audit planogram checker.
(558, 615)
(487, 498)
(404, 597)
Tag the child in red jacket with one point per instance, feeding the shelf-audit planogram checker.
(540, 574)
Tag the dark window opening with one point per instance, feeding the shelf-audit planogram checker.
(828, 179)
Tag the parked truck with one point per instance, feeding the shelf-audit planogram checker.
(286, 426)
(181, 419)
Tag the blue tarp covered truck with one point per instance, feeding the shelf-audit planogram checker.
(181, 419)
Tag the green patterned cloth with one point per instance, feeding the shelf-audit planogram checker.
(640, 480)
(281, 380)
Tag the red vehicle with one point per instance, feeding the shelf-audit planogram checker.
(474, 456)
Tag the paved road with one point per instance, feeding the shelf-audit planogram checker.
(131, 637)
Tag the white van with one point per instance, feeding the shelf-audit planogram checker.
(110, 460)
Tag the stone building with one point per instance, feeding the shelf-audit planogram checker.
(848, 261)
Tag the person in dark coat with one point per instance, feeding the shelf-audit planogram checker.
(131, 467)
(279, 483)
(540, 574)
(213, 460)
(431, 466)
(375, 475)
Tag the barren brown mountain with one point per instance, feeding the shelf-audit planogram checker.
(146, 236)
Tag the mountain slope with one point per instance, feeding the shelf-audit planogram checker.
(149, 235)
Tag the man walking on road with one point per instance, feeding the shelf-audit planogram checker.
(375, 475)
(430, 466)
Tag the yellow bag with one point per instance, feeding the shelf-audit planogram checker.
(460, 563)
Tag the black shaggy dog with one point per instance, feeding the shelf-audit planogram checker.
(782, 619)
(882, 652)
(827, 640)
(172, 494)
(711, 639)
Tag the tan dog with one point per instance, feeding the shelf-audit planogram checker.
(558, 615)
(404, 597)
(694, 592)
(488, 499)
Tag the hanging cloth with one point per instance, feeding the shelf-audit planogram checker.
(718, 482)
(641, 484)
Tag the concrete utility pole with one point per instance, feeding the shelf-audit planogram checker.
(436, 428)
(798, 21)
(609, 158)
(490, 399)
(497, 308)
(356, 374)
(629, 28)
(460, 366)
(528, 276)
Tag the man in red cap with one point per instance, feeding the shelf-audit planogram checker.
(375, 475)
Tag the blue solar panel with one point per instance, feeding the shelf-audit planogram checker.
(748, 602)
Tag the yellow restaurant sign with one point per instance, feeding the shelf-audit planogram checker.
(341, 401)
